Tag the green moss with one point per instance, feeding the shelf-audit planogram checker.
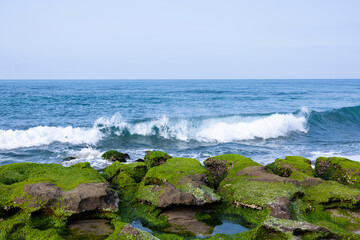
(155, 158)
(332, 194)
(118, 235)
(338, 169)
(294, 167)
(255, 192)
(235, 163)
(15, 176)
(178, 172)
(114, 155)
(22, 226)
(175, 169)
(135, 170)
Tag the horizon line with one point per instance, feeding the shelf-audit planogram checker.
(84, 79)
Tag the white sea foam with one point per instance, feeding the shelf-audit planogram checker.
(273, 126)
(91, 155)
(225, 129)
(42, 135)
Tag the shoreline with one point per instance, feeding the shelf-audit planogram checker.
(282, 200)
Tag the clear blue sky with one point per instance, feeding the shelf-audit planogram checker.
(179, 39)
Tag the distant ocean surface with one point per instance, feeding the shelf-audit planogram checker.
(46, 121)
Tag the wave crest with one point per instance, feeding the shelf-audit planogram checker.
(225, 129)
(273, 126)
(43, 135)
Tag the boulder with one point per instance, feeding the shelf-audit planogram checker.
(126, 231)
(292, 166)
(114, 155)
(254, 187)
(32, 186)
(136, 171)
(287, 229)
(180, 181)
(219, 166)
(342, 170)
(69, 158)
(85, 197)
(155, 158)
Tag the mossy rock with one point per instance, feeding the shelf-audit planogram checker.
(14, 177)
(331, 194)
(124, 231)
(285, 167)
(254, 187)
(342, 170)
(155, 158)
(21, 226)
(222, 165)
(136, 170)
(114, 155)
(180, 181)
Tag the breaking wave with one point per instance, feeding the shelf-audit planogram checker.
(43, 135)
(221, 129)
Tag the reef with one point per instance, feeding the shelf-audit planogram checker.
(167, 197)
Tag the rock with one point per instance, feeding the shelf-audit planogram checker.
(90, 196)
(155, 158)
(180, 181)
(342, 170)
(183, 220)
(128, 229)
(139, 160)
(69, 158)
(220, 166)
(217, 168)
(173, 196)
(280, 208)
(46, 185)
(297, 229)
(135, 170)
(85, 197)
(291, 165)
(126, 156)
(114, 155)
(92, 227)
(253, 186)
(330, 194)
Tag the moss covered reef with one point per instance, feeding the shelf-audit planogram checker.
(286, 199)
(292, 166)
(342, 170)
(113, 155)
(155, 158)
(179, 181)
(38, 199)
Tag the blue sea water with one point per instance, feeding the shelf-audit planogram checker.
(46, 121)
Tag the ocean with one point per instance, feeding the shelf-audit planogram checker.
(45, 121)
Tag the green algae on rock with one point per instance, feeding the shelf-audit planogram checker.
(155, 158)
(286, 167)
(136, 170)
(113, 155)
(40, 197)
(180, 181)
(222, 165)
(338, 169)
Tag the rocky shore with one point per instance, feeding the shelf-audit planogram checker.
(164, 197)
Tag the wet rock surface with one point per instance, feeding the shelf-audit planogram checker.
(183, 220)
(85, 197)
(91, 227)
(179, 197)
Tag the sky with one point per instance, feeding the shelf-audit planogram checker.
(184, 39)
